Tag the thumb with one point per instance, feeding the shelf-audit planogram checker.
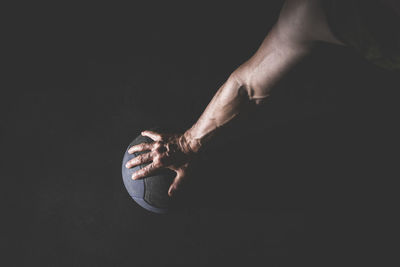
(176, 183)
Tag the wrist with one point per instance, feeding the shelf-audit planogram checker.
(193, 145)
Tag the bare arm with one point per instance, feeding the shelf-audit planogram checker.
(300, 24)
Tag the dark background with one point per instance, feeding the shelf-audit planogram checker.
(301, 181)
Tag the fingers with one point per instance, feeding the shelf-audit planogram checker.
(141, 159)
(146, 171)
(153, 135)
(140, 147)
(176, 183)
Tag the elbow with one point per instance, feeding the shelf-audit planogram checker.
(256, 95)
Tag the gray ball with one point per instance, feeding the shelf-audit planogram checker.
(150, 192)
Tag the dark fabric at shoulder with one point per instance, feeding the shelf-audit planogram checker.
(370, 27)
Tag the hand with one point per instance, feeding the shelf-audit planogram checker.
(171, 151)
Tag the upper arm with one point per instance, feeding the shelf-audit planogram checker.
(302, 21)
(300, 24)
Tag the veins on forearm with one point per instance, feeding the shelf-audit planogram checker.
(229, 101)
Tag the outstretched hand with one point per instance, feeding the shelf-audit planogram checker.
(170, 151)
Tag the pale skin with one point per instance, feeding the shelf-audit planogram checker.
(301, 23)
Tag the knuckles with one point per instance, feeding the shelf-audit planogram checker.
(157, 162)
(161, 151)
(157, 145)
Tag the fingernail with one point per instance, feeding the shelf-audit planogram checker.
(133, 177)
(127, 165)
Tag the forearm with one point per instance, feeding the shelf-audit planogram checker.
(225, 106)
(300, 24)
(249, 85)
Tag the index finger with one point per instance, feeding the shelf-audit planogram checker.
(140, 147)
(153, 135)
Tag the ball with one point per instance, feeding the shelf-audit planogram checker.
(150, 192)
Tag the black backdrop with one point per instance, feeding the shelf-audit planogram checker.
(295, 183)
